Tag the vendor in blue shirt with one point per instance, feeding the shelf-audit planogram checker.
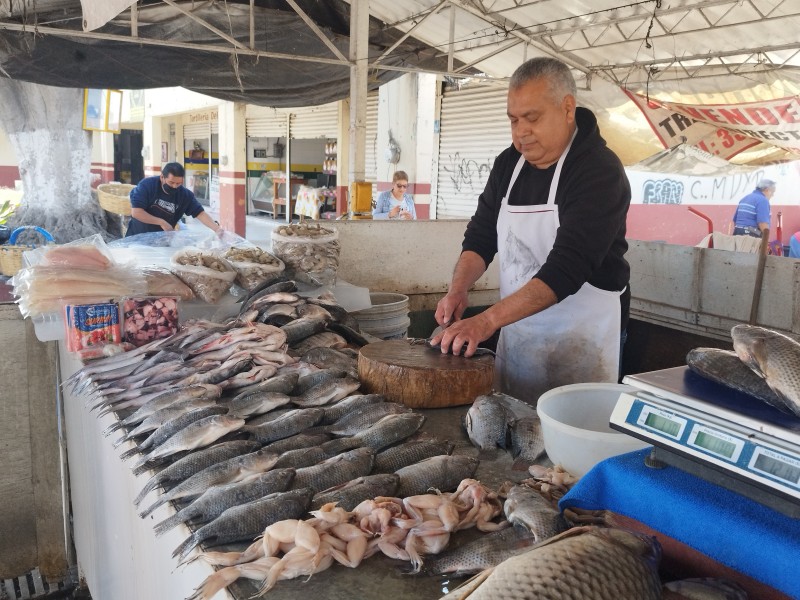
(159, 202)
(752, 216)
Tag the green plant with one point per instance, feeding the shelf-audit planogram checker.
(6, 211)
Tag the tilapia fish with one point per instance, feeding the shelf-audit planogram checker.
(486, 423)
(409, 453)
(195, 462)
(299, 441)
(327, 358)
(309, 381)
(216, 500)
(725, 368)
(527, 441)
(443, 473)
(773, 356)
(327, 392)
(365, 417)
(283, 384)
(336, 470)
(334, 412)
(487, 551)
(301, 457)
(527, 508)
(198, 434)
(390, 429)
(228, 471)
(257, 403)
(610, 564)
(291, 423)
(707, 588)
(351, 494)
(246, 521)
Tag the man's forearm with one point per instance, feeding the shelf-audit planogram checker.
(535, 296)
(469, 268)
(208, 222)
(143, 216)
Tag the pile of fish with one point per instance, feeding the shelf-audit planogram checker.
(250, 422)
(765, 364)
(404, 529)
(491, 422)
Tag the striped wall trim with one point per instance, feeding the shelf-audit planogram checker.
(413, 188)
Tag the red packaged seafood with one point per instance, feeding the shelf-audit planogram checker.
(149, 318)
(91, 325)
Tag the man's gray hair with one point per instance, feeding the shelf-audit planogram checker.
(765, 184)
(562, 83)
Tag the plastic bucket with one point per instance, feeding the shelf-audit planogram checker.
(575, 425)
(387, 318)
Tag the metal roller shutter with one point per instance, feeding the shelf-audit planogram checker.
(196, 131)
(265, 122)
(315, 122)
(371, 152)
(474, 129)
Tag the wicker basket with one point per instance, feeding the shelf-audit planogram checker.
(11, 259)
(114, 197)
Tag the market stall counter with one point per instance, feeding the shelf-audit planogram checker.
(121, 558)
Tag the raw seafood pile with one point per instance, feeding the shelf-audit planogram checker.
(310, 253)
(148, 319)
(490, 422)
(253, 265)
(206, 273)
(765, 364)
(163, 282)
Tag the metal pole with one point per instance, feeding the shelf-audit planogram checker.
(762, 260)
(359, 57)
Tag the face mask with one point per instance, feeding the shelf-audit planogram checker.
(169, 191)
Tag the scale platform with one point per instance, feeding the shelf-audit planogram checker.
(716, 433)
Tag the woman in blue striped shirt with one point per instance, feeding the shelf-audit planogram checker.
(395, 203)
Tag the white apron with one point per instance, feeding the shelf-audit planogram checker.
(574, 341)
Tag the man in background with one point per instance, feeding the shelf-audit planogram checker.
(752, 216)
(159, 202)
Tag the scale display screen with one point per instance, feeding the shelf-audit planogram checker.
(662, 421)
(781, 467)
(716, 442)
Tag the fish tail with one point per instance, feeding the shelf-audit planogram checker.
(129, 453)
(150, 486)
(189, 544)
(112, 428)
(148, 511)
(168, 523)
(520, 465)
(120, 441)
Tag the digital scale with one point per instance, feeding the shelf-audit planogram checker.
(716, 433)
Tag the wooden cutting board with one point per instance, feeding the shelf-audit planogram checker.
(421, 377)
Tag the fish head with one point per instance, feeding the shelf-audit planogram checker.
(639, 544)
(750, 344)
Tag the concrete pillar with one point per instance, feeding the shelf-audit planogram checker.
(406, 109)
(232, 167)
(102, 157)
(359, 53)
(152, 136)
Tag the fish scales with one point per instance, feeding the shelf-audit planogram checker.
(301, 457)
(286, 425)
(296, 442)
(194, 463)
(198, 434)
(390, 429)
(228, 471)
(166, 414)
(365, 417)
(354, 492)
(443, 473)
(257, 403)
(525, 507)
(485, 552)
(409, 453)
(326, 358)
(486, 422)
(775, 357)
(302, 328)
(725, 368)
(335, 471)
(588, 563)
(283, 384)
(327, 392)
(527, 440)
(306, 382)
(216, 500)
(334, 412)
(247, 521)
(173, 426)
(255, 421)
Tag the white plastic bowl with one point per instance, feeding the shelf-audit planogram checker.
(575, 425)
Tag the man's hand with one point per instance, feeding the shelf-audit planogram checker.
(394, 212)
(166, 226)
(464, 335)
(220, 232)
(404, 214)
(450, 308)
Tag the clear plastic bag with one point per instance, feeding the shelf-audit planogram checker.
(160, 281)
(253, 265)
(310, 253)
(87, 253)
(207, 273)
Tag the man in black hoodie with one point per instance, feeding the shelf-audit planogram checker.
(554, 210)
